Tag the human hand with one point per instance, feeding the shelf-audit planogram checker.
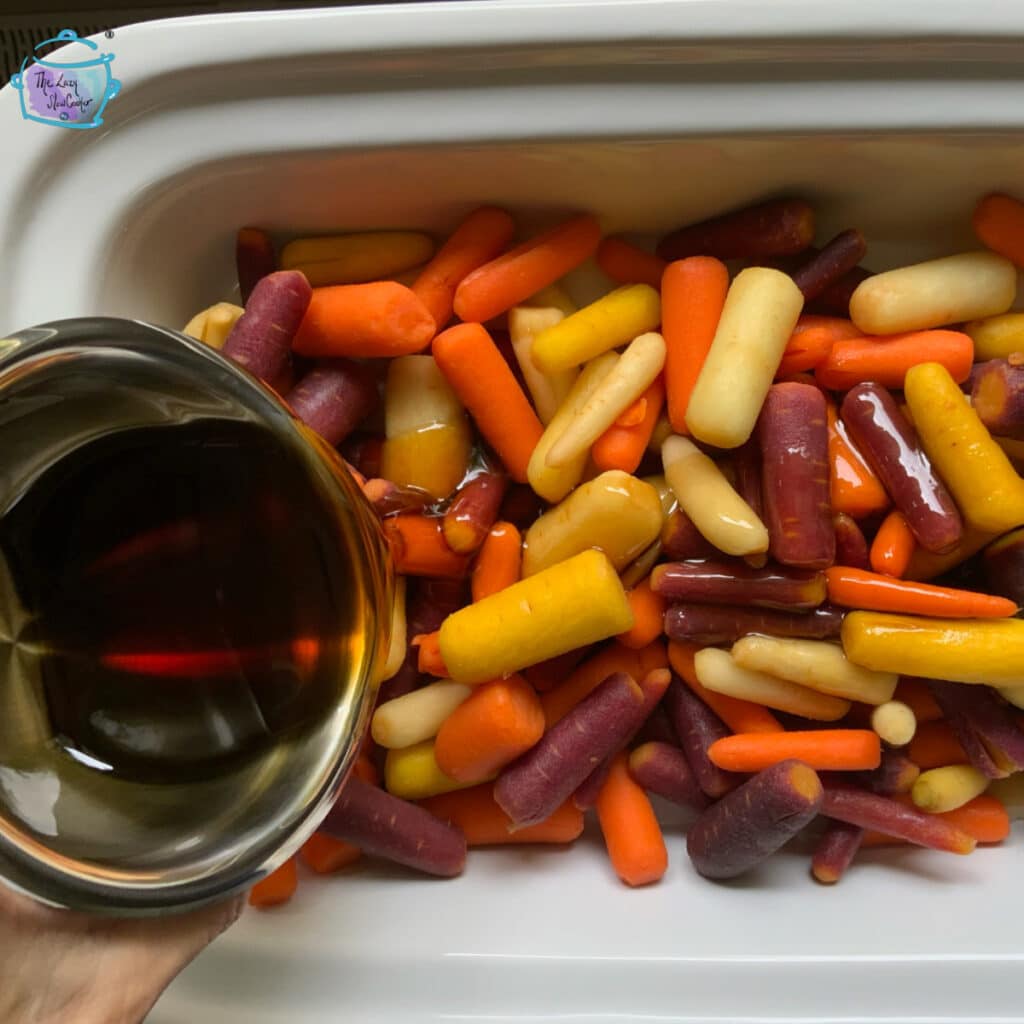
(64, 967)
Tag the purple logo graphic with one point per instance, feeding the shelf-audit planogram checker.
(68, 93)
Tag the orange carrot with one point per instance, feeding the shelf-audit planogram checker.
(854, 588)
(484, 823)
(692, 296)
(278, 887)
(984, 817)
(324, 854)
(428, 657)
(418, 548)
(499, 563)
(364, 768)
(629, 264)
(383, 318)
(935, 745)
(885, 359)
(557, 703)
(812, 340)
(525, 270)
(494, 725)
(916, 695)
(648, 616)
(854, 487)
(476, 241)
(893, 546)
(998, 222)
(631, 831)
(622, 445)
(481, 378)
(840, 750)
(742, 716)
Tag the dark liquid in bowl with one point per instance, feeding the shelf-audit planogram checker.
(177, 609)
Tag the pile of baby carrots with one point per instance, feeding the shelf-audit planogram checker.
(744, 533)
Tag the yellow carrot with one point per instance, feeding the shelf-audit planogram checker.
(611, 321)
(615, 513)
(413, 773)
(571, 604)
(987, 651)
(975, 469)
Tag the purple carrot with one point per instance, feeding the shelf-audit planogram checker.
(792, 432)
(851, 545)
(386, 826)
(254, 259)
(721, 582)
(261, 339)
(710, 624)
(985, 726)
(334, 398)
(534, 786)
(662, 769)
(830, 265)
(835, 851)
(882, 814)
(697, 727)
(753, 822)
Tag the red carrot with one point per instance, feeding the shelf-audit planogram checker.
(476, 241)
(473, 510)
(254, 259)
(662, 769)
(473, 366)
(515, 276)
(334, 398)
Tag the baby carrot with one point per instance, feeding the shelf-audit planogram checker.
(648, 616)
(476, 241)
(886, 359)
(854, 588)
(893, 546)
(854, 488)
(935, 745)
(621, 446)
(812, 340)
(499, 721)
(499, 562)
(742, 716)
(631, 831)
(324, 854)
(484, 823)
(515, 276)
(278, 887)
(428, 658)
(481, 378)
(998, 222)
(842, 750)
(378, 319)
(984, 817)
(418, 548)
(692, 296)
(629, 264)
